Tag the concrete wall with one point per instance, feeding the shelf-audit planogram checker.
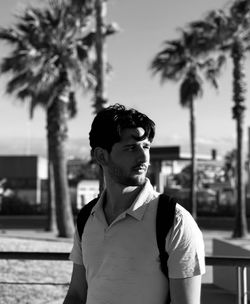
(224, 276)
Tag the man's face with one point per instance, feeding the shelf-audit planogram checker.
(129, 158)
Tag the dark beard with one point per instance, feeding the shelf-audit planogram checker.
(131, 181)
(117, 174)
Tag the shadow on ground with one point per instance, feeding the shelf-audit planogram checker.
(211, 294)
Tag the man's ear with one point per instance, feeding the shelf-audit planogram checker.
(101, 156)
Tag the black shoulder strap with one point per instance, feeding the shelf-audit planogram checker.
(83, 216)
(164, 221)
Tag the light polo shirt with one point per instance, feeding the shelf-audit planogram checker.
(122, 259)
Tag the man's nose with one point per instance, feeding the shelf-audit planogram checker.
(143, 154)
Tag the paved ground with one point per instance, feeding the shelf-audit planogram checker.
(43, 235)
(210, 293)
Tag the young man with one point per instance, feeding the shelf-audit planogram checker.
(117, 259)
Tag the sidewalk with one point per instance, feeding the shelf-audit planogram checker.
(40, 234)
(29, 234)
(210, 293)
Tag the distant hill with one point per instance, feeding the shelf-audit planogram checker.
(38, 146)
(79, 147)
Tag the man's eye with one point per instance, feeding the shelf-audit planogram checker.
(131, 148)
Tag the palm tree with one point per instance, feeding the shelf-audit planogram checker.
(98, 10)
(49, 57)
(230, 169)
(230, 31)
(101, 95)
(179, 61)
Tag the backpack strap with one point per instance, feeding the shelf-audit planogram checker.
(164, 221)
(83, 216)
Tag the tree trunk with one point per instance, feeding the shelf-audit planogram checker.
(51, 213)
(248, 166)
(101, 99)
(240, 229)
(57, 134)
(51, 204)
(193, 188)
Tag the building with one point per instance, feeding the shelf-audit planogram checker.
(86, 191)
(167, 160)
(25, 176)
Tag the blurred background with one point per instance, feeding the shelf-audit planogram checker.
(184, 64)
(135, 37)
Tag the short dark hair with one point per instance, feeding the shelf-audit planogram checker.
(108, 124)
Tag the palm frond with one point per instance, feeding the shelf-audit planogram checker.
(72, 105)
(221, 60)
(23, 93)
(44, 43)
(240, 10)
(20, 59)
(88, 40)
(212, 68)
(9, 35)
(202, 26)
(173, 46)
(171, 62)
(111, 29)
(85, 7)
(191, 88)
(33, 105)
(219, 18)
(18, 81)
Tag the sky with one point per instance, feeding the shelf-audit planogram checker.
(144, 26)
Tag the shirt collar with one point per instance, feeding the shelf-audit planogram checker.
(140, 204)
(99, 203)
(138, 208)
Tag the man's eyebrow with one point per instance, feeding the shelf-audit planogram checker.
(137, 137)
(129, 145)
(147, 143)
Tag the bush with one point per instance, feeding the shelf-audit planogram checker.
(15, 205)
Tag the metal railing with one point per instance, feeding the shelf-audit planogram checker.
(241, 263)
(29, 255)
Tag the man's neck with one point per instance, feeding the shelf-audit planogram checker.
(118, 199)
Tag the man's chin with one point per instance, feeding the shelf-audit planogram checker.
(136, 181)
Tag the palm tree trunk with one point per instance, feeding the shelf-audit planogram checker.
(101, 55)
(57, 134)
(193, 192)
(240, 229)
(101, 98)
(51, 205)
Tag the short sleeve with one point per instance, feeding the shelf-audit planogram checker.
(76, 252)
(185, 247)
